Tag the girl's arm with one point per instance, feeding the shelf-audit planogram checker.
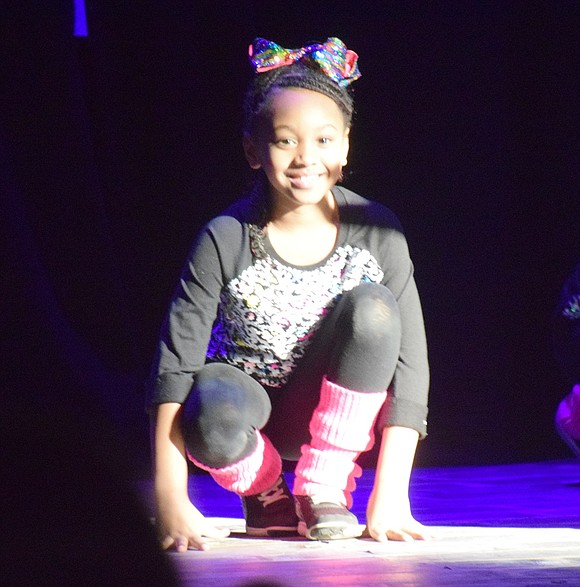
(180, 524)
(388, 511)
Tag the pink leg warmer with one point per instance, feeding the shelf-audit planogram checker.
(568, 413)
(253, 474)
(341, 428)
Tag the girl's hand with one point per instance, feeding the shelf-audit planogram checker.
(181, 526)
(390, 519)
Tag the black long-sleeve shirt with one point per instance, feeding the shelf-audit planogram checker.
(258, 313)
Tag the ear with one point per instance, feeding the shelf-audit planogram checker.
(251, 152)
(346, 146)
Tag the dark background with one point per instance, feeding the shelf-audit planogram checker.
(116, 148)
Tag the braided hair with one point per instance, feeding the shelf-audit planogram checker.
(306, 75)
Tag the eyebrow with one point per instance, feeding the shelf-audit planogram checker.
(318, 128)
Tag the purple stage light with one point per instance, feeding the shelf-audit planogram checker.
(81, 28)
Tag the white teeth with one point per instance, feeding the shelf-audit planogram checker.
(304, 181)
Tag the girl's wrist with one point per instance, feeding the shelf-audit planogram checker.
(170, 497)
(391, 489)
(170, 488)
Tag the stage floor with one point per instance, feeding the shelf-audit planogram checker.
(497, 525)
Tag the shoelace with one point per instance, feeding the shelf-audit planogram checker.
(272, 495)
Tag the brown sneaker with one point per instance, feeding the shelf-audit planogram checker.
(325, 520)
(272, 512)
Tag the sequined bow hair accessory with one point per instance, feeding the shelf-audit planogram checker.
(333, 58)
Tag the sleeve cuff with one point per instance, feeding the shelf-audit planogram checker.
(405, 413)
(169, 387)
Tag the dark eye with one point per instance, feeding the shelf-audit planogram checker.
(285, 142)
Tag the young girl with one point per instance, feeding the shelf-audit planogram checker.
(295, 331)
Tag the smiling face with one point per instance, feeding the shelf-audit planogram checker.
(301, 143)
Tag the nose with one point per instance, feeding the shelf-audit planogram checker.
(305, 154)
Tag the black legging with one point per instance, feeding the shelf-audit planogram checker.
(357, 347)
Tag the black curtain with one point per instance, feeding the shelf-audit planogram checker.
(117, 147)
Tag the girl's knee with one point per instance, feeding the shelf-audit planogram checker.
(221, 414)
(374, 310)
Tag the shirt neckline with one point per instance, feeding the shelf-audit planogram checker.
(340, 200)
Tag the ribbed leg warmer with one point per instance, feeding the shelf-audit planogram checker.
(255, 473)
(341, 428)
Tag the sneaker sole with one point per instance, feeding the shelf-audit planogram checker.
(273, 531)
(330, 531)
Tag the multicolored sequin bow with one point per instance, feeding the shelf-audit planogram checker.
(335, 60)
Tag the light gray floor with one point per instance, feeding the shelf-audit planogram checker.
(497, 525)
